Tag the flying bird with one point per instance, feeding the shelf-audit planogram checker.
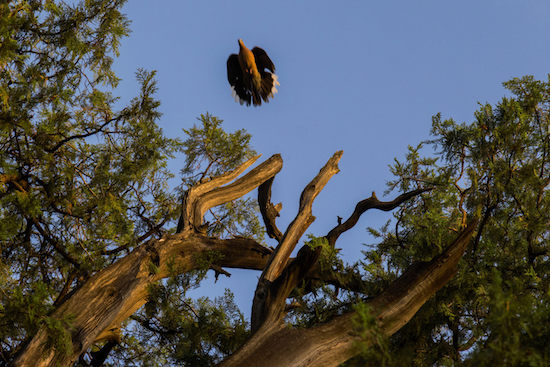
(250, 81)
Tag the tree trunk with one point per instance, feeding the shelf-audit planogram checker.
(116, 292)
(332, 343)
(113, 294)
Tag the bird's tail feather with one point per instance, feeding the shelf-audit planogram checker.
(268, 86)
(256, 97)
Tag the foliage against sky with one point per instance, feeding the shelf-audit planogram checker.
(83, 181)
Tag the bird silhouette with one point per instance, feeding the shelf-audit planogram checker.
(251, 74)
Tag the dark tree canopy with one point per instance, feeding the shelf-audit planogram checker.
(98, 252)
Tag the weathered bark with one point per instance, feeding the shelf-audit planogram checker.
(332, 343)
(268, 210)
(116, 292)
(269, 298)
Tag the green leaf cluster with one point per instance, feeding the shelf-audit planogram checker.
(83, 177)
(495, 310)
(210, 151)
(83, 174)
(182, 330)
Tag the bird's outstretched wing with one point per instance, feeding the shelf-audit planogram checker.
(236, 80)
(262, 60)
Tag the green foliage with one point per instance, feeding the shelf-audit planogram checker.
(495, 310)
(184, 331)
(83, 175)
(329, 255)
(23, 309)
(210, 151)
(237, 218)
(59, 334)
(518, 324)
(372, 346)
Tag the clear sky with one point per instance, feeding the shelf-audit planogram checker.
(361, 76)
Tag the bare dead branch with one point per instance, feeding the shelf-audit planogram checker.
(370, 203)
(203, 196)
(268, 210)
(303, 219)
(193, 193)
(238, 188)
(221, 180)
(273, 287)
(332, 343)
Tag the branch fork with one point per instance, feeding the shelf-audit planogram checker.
(115, 293)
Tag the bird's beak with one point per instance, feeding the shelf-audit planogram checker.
(241, 42)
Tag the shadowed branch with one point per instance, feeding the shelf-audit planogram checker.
(370, 203)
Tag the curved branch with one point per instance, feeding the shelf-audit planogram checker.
(205, 195)
(370, 203)
(277, 280)
(240, 187)
(332, 343)
(268, 210)
(193, 193)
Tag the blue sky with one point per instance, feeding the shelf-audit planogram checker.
(361, 76)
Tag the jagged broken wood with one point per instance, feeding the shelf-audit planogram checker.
(332, 343)
(113, 294)
(116, 292)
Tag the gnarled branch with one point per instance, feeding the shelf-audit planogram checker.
(330, 344)
(268, 210)
(370, 203)
(110, 296)
(271, 292)
(205, 195)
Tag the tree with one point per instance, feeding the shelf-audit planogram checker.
(98, 253)
(495, 311)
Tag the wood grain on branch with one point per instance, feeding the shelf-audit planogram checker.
(271, 291)
(110, 296)
(268, 210)
(113, 294)
(194, 192)
(303, 219)
(205, 195)
(370, 203)
(238, 188)
(332, 343)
